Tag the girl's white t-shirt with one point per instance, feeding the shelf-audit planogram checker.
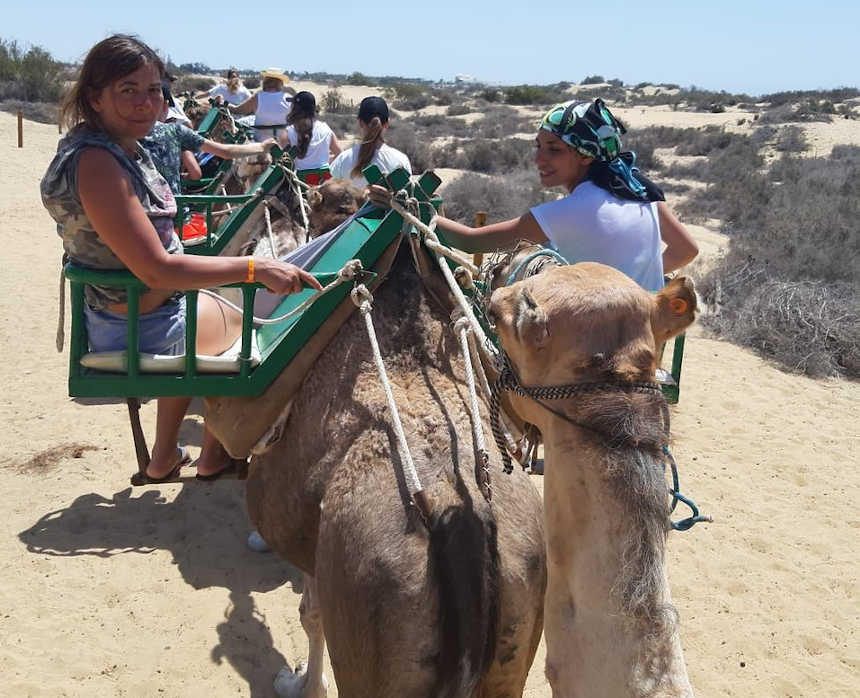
(592, 225)
(318, 149)
(385, 157)
(242, 94)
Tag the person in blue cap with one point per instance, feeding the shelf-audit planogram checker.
(611, 214)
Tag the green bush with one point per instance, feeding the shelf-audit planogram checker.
(592, 80)
(29, 76)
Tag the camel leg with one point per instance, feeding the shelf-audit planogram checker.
(307, 681)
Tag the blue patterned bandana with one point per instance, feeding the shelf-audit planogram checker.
(592, 130)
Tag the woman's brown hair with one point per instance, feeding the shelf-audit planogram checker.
(108, 61)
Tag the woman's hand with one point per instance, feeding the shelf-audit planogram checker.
(379, 196)
(282, 277)
(268, 144)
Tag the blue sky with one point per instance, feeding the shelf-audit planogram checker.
(733, 45)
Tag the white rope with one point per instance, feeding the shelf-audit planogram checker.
(346, 273)
(269, 229)
(462, 327)
(363, 299)
(483, 342)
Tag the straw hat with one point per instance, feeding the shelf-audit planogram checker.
(275, 73)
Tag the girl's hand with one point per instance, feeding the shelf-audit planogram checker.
(379, 196)
(268, 144)
(282, 277)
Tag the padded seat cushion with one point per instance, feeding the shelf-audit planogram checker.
(117, 361)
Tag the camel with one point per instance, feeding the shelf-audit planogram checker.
(445, 603)
(588, 330)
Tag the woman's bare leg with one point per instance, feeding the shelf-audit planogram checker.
(218, 327)
(171, 411)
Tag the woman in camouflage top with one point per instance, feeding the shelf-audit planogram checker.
(114, 211)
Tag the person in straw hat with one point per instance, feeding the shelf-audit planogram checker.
(270, 105)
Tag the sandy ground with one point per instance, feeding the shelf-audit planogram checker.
(109, 591)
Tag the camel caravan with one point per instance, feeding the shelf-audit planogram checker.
(375, 420)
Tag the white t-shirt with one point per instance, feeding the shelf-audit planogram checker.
(272, 110)
(592, 225)
(318, 149)
(386, 158)
(240, 95)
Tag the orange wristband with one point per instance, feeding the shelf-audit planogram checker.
(250, 277)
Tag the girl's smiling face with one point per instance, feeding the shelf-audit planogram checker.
(558, 164)
(130, 106)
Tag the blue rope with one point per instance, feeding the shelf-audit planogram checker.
(545, 252)
(675, 491)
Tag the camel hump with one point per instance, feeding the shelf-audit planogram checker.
(465, 563)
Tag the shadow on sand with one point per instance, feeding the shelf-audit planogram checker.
(141, 521)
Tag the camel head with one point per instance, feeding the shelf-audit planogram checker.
(587, 321)
(332, 203)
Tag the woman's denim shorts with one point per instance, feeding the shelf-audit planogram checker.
(160, 332)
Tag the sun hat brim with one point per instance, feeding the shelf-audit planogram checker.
(275, 73)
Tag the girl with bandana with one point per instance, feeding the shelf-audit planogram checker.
(612, 214)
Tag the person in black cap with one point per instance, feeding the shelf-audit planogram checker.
(315, 142)
(372, 121)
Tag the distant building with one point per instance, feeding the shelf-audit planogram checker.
(461, 79)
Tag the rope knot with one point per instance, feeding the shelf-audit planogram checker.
(362, 297)
(350, 270)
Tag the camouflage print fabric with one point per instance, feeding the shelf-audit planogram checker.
(165, 144)
(81, 242)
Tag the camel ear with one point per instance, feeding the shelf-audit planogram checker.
(315, 197)
(531, 321)
(674, 309)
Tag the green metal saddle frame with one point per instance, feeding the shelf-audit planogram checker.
(365, 238)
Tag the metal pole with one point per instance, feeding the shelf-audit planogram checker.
(20, 129)
(480, 222)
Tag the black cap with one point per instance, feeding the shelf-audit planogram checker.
(304, 102)
(373, 106)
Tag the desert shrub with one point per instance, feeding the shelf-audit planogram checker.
(490, 95)
(611, 95)
(29, 76)
(458, 109)
(333, 102)
(358, 79)
(534, 94)
(791, 139)
(789, 285)
(502, 197)
(438, 125)
(489, 156)
(403, 136)
(805, 110)
(252, 83)
(199, 68)
(500, 121)
(444, 98)
(341, 124)
(592, 80)
(192, 84)
(704, 141)
(43, 112)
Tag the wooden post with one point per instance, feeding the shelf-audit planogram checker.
(480, 222)
(20, 129)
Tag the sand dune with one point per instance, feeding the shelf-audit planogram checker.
(108, 591)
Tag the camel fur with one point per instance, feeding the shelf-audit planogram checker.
(452, 607)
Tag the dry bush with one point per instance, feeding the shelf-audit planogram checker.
(502, 197)
(192, 84)
(30, 75)
(43, 112)
(333, 102)
(403, 136)
(789, 285)
(489, 156)
(438, 126)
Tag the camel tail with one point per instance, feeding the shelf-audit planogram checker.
(465, 559)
